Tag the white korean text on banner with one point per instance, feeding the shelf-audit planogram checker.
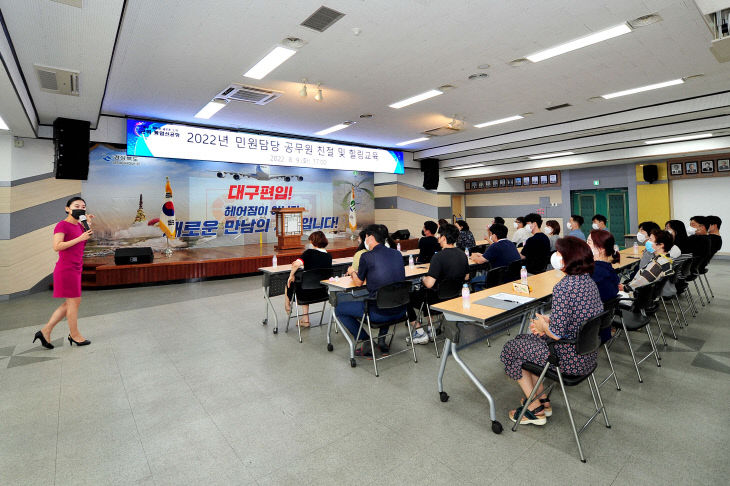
(216, 203)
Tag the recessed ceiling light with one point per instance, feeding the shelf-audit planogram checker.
(580, 42)
(211, 109)
(446, 87)
(678, 139)
(416, 99)
(270, 62)
(366, 115)
(645, 20)
(547, 156)
(3, 125)
(518, 62)
(408, 142)
(483, 66)
(471, 166)
(293, 42)
(497, 122)
(478, 76)
(334, 128)
(641, 89)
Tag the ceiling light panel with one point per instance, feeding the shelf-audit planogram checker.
(409, 142)
(271, 61)
(678, 139)
(3, 125)
(580, 42)
(334, 128)
(497, 122)
(547, 156)
(641, 89)
(211, 109)
(416, 99)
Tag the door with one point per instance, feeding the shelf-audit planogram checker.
(612, 203)
(457, 207)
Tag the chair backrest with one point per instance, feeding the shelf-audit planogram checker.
(588, 340)
(478, 249)
(696, 263)
(610, 306)
(495, 277)
(393, 295)
(310, 279)
(482, 267)
(449, 289)
(513, 271)
(685, 269)
(644, 297)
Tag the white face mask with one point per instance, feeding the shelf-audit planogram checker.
(528, 227)
(548, 230)
(367, 247)
(515, 225)
(641, 237)
(691, 230)
(568, 225)
(556, 261)
(670, 231)
(594, 226)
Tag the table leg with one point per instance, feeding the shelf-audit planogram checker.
(273, 311)
(443, 396)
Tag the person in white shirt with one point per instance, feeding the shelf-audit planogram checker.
(522, 233)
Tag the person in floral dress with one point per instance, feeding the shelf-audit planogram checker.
(575, 299)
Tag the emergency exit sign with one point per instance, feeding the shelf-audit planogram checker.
(596, 182)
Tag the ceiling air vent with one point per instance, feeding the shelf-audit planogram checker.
(58, 81)
(441, 131)
(322, 19)
(558, 107)
(249, 94)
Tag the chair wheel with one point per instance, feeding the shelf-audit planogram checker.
(353, 363)
(496, 427)
(443, 396)
(264, 322)
(276, 330)
(330, 347)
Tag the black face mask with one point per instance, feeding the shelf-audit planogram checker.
(423, 233)
(77, 212)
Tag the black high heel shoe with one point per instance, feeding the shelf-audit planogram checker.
(71, 342)
(44, 343)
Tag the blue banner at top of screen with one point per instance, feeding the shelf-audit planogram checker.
(174, 141)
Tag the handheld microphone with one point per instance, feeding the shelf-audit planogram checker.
(82, 220)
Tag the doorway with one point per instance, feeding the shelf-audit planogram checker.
(612, 203)
(457, 207)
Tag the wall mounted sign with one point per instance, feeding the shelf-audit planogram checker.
(519, 182)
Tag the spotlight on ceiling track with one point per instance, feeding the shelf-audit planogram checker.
(303, 89)
(318, 96)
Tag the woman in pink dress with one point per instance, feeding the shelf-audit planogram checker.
(69, 240)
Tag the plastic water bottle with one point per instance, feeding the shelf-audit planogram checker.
(465, 296)
(273, 261)
(398, 246)
(466, 251)
(636, 248)
(523, 275)
(411, 263)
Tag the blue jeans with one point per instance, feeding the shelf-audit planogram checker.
(349, 314)
(479, 282)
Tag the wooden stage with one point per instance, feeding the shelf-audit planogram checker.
(200, 263)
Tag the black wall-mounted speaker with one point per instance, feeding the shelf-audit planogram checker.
(71, 143)
(651, 173)
(430, 169)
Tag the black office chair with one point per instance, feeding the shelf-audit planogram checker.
(447, 289)
(685, 276)
(694, 275)
(478, 269)
(390, 296)
(631, 315)
(495, 276)
(308, 290)
(702, 270)
(606, 325)
(671, 293)
(586, 342)
(513, 271)
(478, 249)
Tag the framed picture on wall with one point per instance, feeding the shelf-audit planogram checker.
(473, 184)
(495, 183)
(518, 181)
(676, 168)
(543, 179)
(690, 167)
(503, 183)
(723, 165)
(553, 178)
(535, 180)
(708, 166)
(488, 184)
(526, 181)
(510, 182)
(480, 184)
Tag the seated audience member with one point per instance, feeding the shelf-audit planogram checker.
(714, 233)
(602, 245)
(677, 229)
(599, 222)
(466, 238)
(574, 224)
(379, 267)
(552, 230)
(443, 222)
(575, 299)
(313, 258)
(522, 233)
(428, 244)
(500, 253)
(498, 220)
(642, 236)
(448, 264)
(360, 250)
(698, 241)
(536, 251)
(659, 264)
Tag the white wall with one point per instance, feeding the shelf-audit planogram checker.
(692, 197)
(34, 158)
(6, 141)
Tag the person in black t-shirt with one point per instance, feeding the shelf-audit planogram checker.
(536, 252)
(699, 243)
(714, 234)
(450, 263)
(312, 258)
(428, 244)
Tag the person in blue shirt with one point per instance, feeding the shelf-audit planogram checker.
(379, 266)
(574, 224)
(500, 253)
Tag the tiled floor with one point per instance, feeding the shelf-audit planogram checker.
(183, 385)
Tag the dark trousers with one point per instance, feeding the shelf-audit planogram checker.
(349, 314)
